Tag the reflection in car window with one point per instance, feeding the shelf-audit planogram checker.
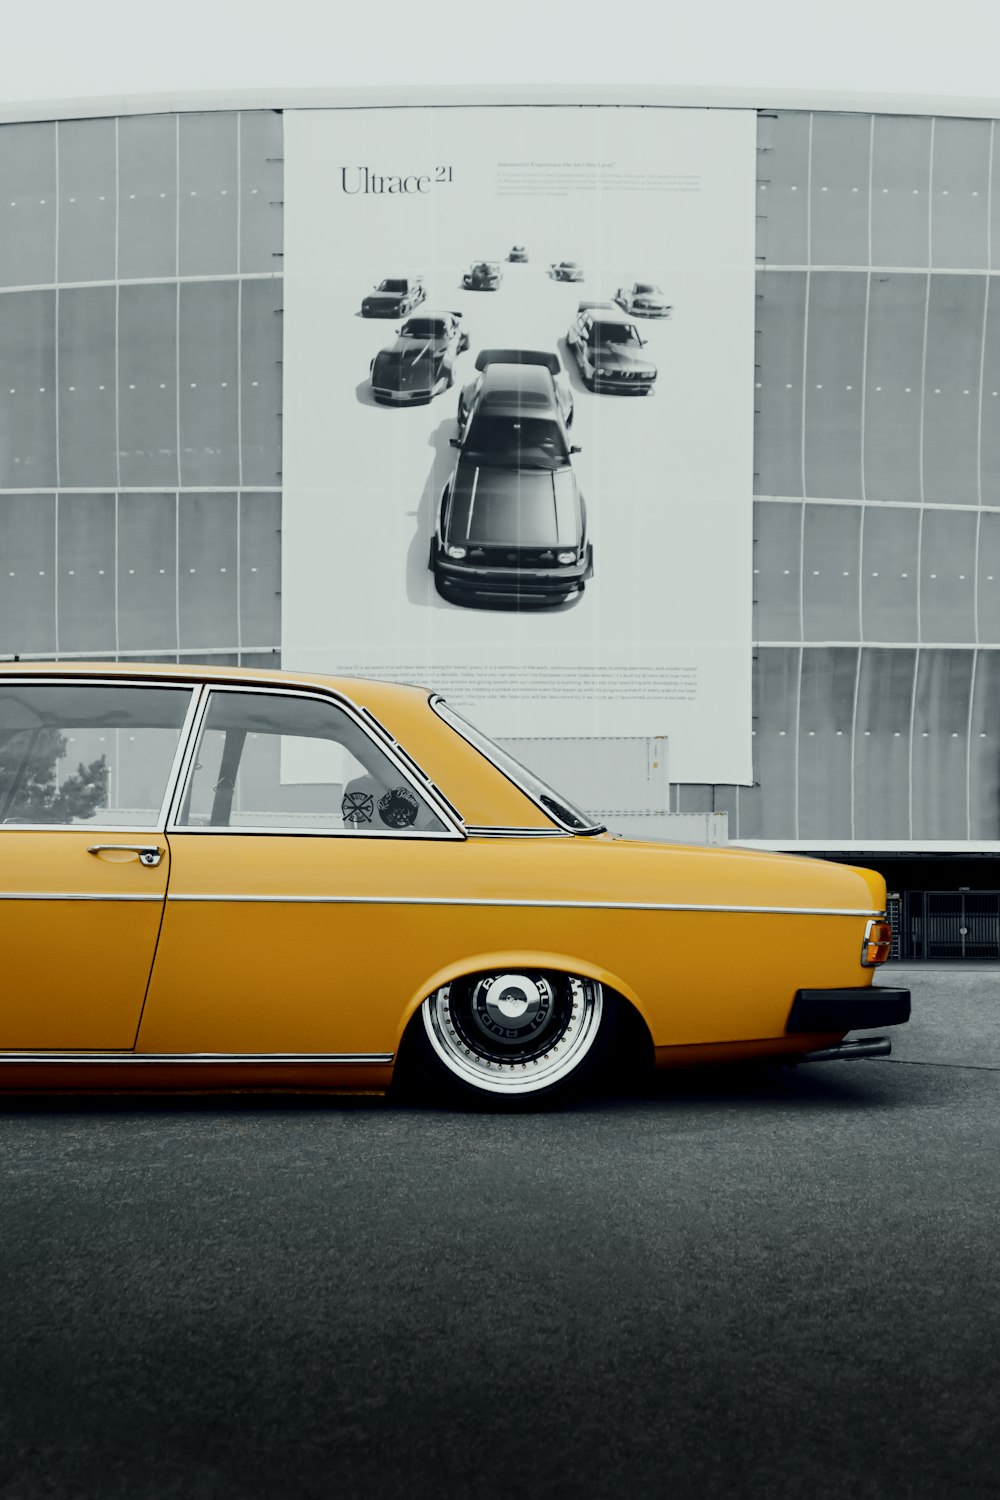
(520, 442)
(392, 286)
(558, 808)
(87, 753)
(282, 761)
(424, 328)
(614, 333)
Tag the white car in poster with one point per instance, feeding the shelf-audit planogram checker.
(644, 300)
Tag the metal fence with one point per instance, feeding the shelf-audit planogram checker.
(945, 924)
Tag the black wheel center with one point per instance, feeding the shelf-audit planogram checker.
(510, 1017)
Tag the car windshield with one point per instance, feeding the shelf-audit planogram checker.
(424, 328)
(557, 807)
(517, 442)
(645, 286)
(614, 333)
(567, 265)
(391, 286)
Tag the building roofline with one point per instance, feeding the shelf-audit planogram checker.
(400, 96)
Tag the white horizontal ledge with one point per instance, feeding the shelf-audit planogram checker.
(69, 286)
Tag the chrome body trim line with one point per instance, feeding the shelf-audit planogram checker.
(220, 1059)
(519, 902)
(498, 832)
(453, 829)
(444, 835)
(81, 896)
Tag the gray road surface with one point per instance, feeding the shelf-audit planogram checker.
(780, 1285)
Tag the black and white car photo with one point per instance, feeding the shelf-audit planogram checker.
(643, 299)
(566, 270)
(610, 351)
(394, 297)
(422, 360)
(483, 276)
(512, 524)
(518, 255)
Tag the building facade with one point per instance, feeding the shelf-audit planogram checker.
(140, 448)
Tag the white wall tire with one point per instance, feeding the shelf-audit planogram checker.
(514, 1034)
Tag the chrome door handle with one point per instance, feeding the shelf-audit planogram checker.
(149, 854)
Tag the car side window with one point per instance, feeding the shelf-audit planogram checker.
(89, 753)
(285, 761)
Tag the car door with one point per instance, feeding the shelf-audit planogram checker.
(302, 847)
(85, 774)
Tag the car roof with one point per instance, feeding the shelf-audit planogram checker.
(430, 312)
(206, 672)
(510, 381)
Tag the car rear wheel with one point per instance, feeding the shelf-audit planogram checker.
(515, 1034)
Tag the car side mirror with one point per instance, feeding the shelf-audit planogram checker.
(455, 442)
(574, 448)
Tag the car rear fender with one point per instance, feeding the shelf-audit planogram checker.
(514, 960)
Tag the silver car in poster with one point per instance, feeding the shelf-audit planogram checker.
(643, 299)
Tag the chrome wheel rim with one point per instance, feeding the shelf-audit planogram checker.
(513, 1032)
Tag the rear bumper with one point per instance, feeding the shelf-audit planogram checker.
(848, 1010)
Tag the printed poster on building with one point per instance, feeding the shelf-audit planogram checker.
(518, 415)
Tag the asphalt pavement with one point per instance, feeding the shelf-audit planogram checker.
(776, 1283)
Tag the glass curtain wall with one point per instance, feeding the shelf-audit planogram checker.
(877, 510)
(140, 397)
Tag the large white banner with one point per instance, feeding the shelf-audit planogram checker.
(518, 415)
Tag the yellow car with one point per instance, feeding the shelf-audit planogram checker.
(252, 879)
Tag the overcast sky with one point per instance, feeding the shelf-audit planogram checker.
(66, 49)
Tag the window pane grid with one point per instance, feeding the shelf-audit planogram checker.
(127, 524)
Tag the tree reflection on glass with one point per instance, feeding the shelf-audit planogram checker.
(30, 790)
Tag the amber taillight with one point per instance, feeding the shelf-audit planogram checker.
(878, 940)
